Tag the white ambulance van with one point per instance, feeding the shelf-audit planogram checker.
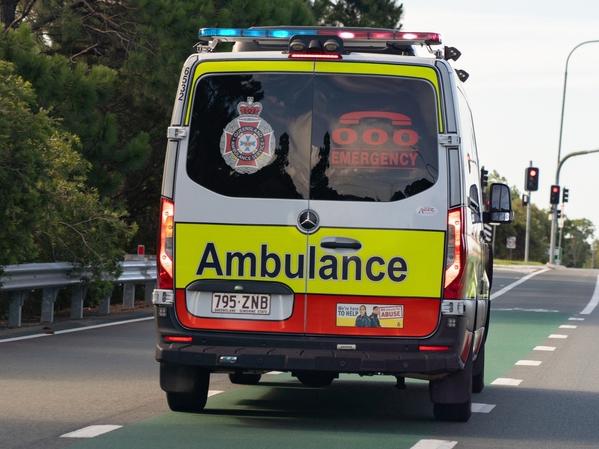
(322, 212)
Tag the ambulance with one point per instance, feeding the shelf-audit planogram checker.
(322, 212)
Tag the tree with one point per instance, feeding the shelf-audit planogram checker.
(576, 249)
(47, 209)
(359, 13)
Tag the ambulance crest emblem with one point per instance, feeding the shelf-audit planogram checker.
(248, 141)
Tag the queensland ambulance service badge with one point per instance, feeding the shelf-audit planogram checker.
(248, 141)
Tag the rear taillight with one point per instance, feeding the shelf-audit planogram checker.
(165, 244)
(454, 263)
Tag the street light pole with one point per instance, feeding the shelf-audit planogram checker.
(559, 150)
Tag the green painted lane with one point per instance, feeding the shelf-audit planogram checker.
(513, 334)
(353, 413)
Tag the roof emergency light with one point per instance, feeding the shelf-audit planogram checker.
(350, 34)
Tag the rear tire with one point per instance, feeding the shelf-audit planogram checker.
(244, 378)
(316, 379)
(453, 412)
(192, 401)
(478, 371)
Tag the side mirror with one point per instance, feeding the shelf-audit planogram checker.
(500, 205)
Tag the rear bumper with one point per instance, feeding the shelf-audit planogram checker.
(242, 351)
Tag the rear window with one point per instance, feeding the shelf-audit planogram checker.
(318, 136)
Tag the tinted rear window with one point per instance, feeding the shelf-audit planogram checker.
(326, 137)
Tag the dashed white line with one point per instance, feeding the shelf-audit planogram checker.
(508, 287)
(522, 309)
(91, 431)
(482, 408)
(214, 392)
(558, 336)
(274, 373)
(434, 444)
(568, 326)
(507, 381)
(544, 348)
(77, 329)
(528, 362)
(575, 318)
(593, 301)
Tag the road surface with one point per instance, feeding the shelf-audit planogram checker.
(106, 376)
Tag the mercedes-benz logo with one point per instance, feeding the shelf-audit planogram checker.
(308, 221)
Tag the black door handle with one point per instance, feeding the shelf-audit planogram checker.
(340, 244)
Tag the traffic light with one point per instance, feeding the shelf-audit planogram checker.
(554, 197)
(532, 179)
(565, 194)
(525, 199)
(559, 214)
(484, 177)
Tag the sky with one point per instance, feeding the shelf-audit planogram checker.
(515, 52)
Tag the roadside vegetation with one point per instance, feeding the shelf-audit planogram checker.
(577, 235)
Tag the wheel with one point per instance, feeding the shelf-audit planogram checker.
(316, 379)
(192, 401)
(478, 371)
(244, 378)
(453, 412)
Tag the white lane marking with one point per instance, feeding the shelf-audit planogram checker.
(507, 381)
(593, 301)
(528, 362)
(91, 431)
(558, 336)
(434, 444)
(274, 373)
(520, 309)
(574, 318)
(482, 408)
(568, 326)
(77, 329)
(544, 348)
(214, 392)
(508, 287)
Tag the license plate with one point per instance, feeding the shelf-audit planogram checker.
(241, 303)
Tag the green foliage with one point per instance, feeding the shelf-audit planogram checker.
(48, 210)
(575, 242)
(361, 13)
(84, 98)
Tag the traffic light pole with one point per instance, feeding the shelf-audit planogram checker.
(554, 206)
(559, 149)
(527, 235)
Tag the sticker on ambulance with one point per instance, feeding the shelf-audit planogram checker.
(374, 139)
(247, 143)
(370, 315)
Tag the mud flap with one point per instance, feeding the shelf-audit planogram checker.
(180, 378)
(453, 389)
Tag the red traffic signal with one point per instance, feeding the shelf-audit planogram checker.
(532, 179)
(554, 195)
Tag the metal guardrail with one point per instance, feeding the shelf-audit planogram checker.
(20, 280)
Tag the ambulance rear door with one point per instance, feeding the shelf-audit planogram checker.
(378, 188)
(242, 181)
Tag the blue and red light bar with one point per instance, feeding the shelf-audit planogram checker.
(347, 34)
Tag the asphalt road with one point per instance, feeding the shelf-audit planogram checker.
(107, 376)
